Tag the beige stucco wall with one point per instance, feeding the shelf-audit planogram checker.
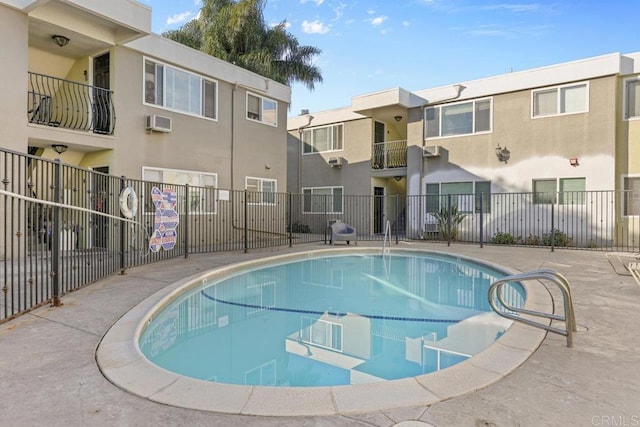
(13, 79)
(540, 147)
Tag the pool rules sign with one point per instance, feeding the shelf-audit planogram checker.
(166, 220)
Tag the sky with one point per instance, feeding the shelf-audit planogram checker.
(369, 46)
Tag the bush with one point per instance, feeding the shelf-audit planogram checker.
(443, 216)
(559, 238)
(501, 238)
(298, 227)
(532, 240)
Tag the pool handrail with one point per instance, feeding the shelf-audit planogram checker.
(495, 294)
(387, 238)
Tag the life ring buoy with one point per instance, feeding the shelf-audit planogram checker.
(128, 202)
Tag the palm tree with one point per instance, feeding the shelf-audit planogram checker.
(235, 31)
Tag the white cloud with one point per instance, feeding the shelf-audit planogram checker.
(314, 27)
(370, 11)
(197, 3)
(317, 2)
(179, 18)
(406, 23)
(339, 11)
(379, 20)
(513, 7)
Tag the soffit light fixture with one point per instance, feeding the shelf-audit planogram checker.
(59, 148)
(61, 41)
(397, 118)
(503, 154)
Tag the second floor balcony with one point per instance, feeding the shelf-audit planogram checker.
(56, 102)
(389, 154)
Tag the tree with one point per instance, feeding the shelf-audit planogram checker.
(235, 31)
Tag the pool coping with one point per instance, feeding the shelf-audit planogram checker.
(121, 361)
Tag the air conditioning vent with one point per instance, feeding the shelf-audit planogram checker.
(159, 123)
(431, 151)
(335, 162)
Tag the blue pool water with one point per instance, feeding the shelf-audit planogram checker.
(330, 320)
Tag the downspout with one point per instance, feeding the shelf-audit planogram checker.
(458, 88)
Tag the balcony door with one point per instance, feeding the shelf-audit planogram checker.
(378, 210)
(101, 94)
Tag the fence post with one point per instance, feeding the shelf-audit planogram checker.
(123, 225)
(186, 221)
(55, 234)
(553, 234)
(326, 221)
(449, 220)
(290, 219)
(396, 219)
(246, 216)
(481, 220)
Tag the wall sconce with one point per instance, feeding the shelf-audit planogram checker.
(59, 148)
(574, 162)
(397, 178)
(61, 41)
(503, 154)
(397, 118)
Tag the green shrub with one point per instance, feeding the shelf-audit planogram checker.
(532, 240)
(298, 227)
(443, 216)
(559, 238)
(501, 238)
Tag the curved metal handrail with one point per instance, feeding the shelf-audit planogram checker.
(496, 294)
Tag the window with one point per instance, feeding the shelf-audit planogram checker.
(321, 139)
(468, 196)
(631, 187)
(262, 110)
(322, 200)
(321, 333)
(569, 99)
(202, 188)
(179, 90)
(632, 98)
(261, 191)
(565, 191)
(462, 118)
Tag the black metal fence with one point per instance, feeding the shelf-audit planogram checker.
(65, 227)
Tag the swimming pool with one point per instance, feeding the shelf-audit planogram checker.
(121, 361)
(330, 320)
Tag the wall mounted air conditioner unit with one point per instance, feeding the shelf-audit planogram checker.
(431, 151)
(335, 162)
(158, 123)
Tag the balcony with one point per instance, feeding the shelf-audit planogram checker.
(389, 155)
(65, 104)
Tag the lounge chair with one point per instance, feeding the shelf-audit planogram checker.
(342, 232)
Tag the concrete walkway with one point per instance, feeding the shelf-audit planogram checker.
(49, 376)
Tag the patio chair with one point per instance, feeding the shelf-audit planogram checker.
(343, 232)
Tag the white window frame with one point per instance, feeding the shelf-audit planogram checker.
(330, 325)
(261, 369)
(558, 90)
(333, 143)
(261, 289)
(261, 118)
(473, 121)
(195, 189)
(625, 102)
(262, 195)
(163, 102)
(558, 198)
(630, 176)
(332, 196)
(466, 203)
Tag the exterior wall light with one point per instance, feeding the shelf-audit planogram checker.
(59, 148)
(61, 41)
(397, 118)
(503, 154)
(574, 162)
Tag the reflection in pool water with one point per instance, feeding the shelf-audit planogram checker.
(330, 321)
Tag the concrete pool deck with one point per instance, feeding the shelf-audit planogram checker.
(49, 374)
